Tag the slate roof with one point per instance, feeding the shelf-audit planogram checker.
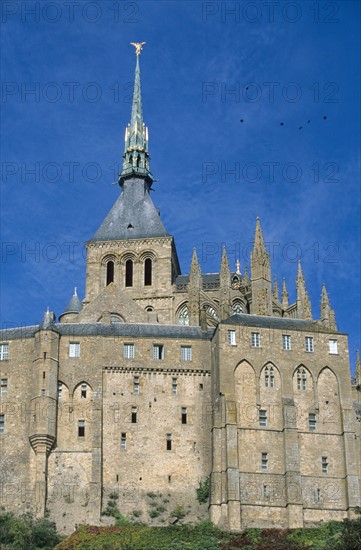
(206, 278)
(133, 215)
(265, 321)
(74, 306)
(113, 329)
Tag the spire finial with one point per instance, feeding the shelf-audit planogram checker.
(238, 267)
(136, 156)
(75, 292)
(138, 47)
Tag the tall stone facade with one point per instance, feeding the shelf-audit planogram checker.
(157, 381)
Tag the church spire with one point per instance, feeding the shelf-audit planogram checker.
(136, 156)
(260, 275)
(327, 314)
(275, 290)
(304, 310)
(284, 294)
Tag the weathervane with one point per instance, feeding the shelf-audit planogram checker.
(138, 47)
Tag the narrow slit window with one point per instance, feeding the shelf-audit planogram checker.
(324, 465)
(169, 442)
(83, 391)
(81, 428)
(266, 492)
(129, 273)
(123, 441)
(286, 342)
(264, 461)
(266, 377)
(256, 340)
(2, 423)
(174, 386)
(3, 387)
(60, 390)
(148, 267)
(110, 272)
(184, 415)
(134, 415)
(136, 385)
(272, 378)
(312, 421)
(231, 337)
(263, 418)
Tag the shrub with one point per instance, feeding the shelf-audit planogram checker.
(178, 512)
(203, 491)
(154, 513)
(137, 513)
(151, 494)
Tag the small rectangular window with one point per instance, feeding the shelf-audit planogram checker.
(186, 353)
(264, 461)
(123, 441)
(318, 495)
(83, 391)
(4, 352)
(128, 351)
(332, 344)
(309, 344)
(286, 342)
(2, 423)
(81, 428)
(3, 387)
(231, 337)
(324, 465)
(256, 340)
(74, 349)
(136, 384)
(174, 386)
(312, 421)
(262, 417)
(169, 442)
(134, 415)
(158, 352)
(184, 415)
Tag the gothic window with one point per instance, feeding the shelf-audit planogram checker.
(129, 273)
(183, 316)
(301, 379)
(110, 272)
(148, 272)
(212, 313)
(237, 308)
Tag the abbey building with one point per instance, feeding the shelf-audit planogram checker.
(158, 380)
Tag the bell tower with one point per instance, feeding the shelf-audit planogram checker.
(132, 252)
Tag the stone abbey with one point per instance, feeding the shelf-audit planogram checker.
(157, 381)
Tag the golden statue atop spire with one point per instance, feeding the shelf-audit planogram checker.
(138, 47)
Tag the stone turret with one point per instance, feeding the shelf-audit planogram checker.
(304, 310)
(225, 288)
(194, 290)
(327, 315)
(260, 275)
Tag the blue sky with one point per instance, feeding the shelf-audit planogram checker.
(206, 67)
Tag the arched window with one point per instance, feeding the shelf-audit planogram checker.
(148, 272)
(129, 273)
(237, 307)
(110, 272)
(183, 316)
